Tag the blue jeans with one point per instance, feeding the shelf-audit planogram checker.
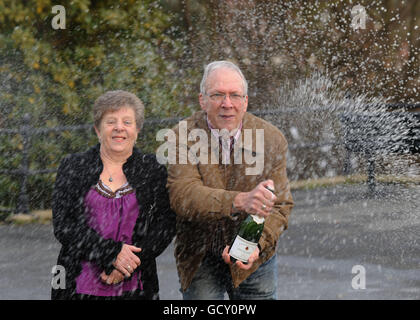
(212, 280)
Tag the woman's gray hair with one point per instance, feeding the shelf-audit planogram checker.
(217, 65)
(115, 100)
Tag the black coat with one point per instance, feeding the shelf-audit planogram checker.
(153, 232)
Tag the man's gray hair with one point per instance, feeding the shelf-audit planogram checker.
(115, 100)
(217, 65)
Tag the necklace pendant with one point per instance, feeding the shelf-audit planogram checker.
(110, 179)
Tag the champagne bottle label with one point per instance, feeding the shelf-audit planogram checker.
(242, 249)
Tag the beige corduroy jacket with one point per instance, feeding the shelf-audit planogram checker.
(202, 193)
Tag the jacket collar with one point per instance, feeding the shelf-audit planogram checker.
(248, 122)
(94, 164)
(131, 167)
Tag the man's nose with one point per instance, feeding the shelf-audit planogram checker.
(226, 102)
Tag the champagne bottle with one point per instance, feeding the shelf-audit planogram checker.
(249, 234)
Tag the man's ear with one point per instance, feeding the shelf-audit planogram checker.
(202, 102)
(246, 103)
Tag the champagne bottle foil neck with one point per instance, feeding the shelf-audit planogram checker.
(257, 219)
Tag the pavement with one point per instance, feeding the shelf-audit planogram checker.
(340, 244)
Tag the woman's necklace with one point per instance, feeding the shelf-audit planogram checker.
(110, 176)
(106, 167)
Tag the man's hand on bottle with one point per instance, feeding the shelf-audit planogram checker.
(258, 201)
(252, 258)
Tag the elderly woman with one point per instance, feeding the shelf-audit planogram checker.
(111, 210)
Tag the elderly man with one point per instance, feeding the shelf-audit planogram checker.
(211, 198)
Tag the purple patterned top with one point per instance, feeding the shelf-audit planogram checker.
(113, 215)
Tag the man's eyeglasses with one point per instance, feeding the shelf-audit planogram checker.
(219, 97)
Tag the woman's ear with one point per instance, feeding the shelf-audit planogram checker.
(98, 134)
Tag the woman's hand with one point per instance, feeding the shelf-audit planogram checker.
(114, 278)
(127, 261)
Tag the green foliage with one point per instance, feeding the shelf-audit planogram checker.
(55, 75)
(106, 45)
